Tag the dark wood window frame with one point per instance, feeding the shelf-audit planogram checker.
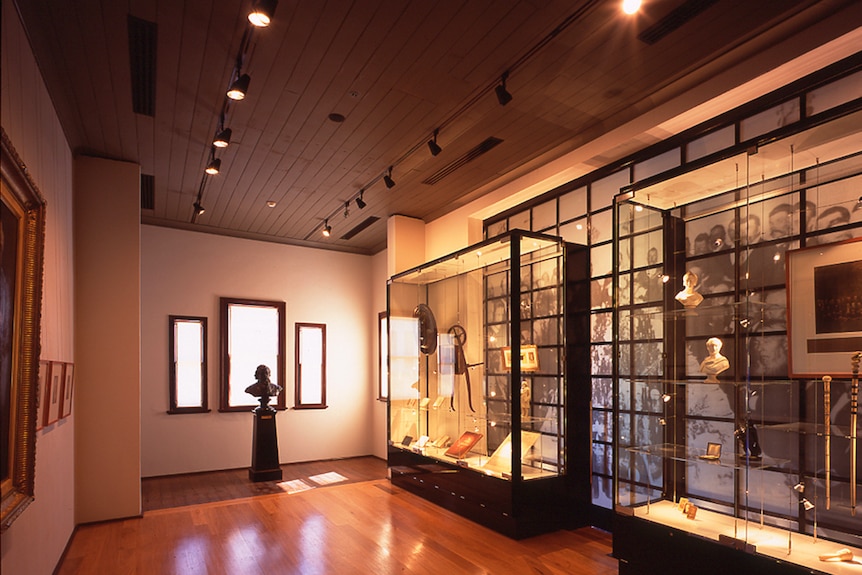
(224, 363)
(172, 346)
(297, 358)
(383, 357)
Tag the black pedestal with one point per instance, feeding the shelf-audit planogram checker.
(264, 455)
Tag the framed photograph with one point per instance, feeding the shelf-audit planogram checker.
(68, 388)
(22, 246)
(824, 320)
(529, 358)
(54, 394)
(44, 375)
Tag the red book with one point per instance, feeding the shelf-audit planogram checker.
(464, 444)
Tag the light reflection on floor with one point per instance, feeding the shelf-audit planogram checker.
(328, 478)
(191, 555)
(313, 546)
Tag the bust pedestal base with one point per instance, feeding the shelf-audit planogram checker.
(264, 456)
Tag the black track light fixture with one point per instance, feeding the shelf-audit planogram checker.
(433, 146)
(327, 229)
(213, 167)
(262, 12)
(239, 88)
(360, 203)
(387, 179)
(346, 208)
(199, 209)
(503, 95)
(222, 139)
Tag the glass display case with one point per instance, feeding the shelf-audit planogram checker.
(485, 352)
(727, 455)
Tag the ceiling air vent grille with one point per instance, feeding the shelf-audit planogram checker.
(673, 20)
(148, 193)
(359, 227)
(142, 64)
(479, 150)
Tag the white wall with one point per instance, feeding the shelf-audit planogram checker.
(185, 273)
(37, 538)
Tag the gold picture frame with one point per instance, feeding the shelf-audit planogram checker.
(22, 227)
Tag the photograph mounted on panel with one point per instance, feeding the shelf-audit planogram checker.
(825, 323)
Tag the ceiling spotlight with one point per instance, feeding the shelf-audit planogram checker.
(346, 208)
(432, 145)
(800, 487)
(503, 96)
(213, 167)
(262, 12)
(387, 179)
(239, 88)
(631, 6)
(807, 505)
(665, 397)
(222, 140)
(327, 229)
(271, 203)
(199, 209)
(360, 203)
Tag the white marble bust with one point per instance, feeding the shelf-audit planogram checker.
(714, 363)
(688, 297)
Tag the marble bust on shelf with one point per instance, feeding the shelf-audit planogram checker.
(688, 297)
(714, 363)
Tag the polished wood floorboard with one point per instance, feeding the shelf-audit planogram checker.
(194, 488)
(367, 527)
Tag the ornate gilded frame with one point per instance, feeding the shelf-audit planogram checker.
(22, 205)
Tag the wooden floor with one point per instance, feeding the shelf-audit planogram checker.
(338, 527)
(195, 488)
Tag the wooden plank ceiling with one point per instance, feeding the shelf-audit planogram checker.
(396, 70)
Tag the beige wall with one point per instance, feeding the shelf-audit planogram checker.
(27, 115)
(185, 273)
(108, 341)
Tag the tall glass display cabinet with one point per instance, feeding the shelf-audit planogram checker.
(489, 382)
(732, 456)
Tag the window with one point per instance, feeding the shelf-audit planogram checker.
(383, 355)
(188, 350)
(310, 366)
(252, 334)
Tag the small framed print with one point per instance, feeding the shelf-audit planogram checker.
(41, 392)
(68, 389)
(53, 395)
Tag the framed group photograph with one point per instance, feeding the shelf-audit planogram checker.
(54, 393)
(68, 389)
(22, 246)
(823, 309)
(44, 376)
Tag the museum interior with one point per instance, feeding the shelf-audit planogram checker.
(632, 303)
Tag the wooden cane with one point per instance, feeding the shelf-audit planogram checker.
(854, 399)
(827, 419)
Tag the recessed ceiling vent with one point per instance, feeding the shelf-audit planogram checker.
(359, 227)
(148, 192)
(674, 20)
(479, 150)
(142, 64)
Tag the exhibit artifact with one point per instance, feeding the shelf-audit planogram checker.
(688, 297)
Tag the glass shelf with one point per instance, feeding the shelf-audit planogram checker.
(696, 455)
